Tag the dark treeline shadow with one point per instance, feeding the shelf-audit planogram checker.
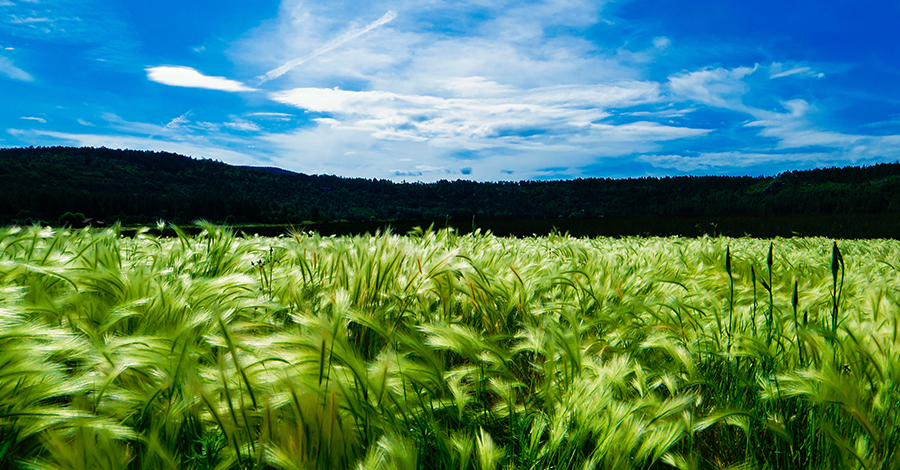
(845, 226)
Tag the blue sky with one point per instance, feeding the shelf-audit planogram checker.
(484, 90)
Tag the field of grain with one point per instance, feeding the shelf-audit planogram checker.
(434, 350)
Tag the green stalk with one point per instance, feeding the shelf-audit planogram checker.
(753, 312)
(794, 302)
(837, 261)
(770, 321)
(730, 296)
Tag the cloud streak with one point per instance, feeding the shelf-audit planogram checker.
(342, 39)
(189, 78)
(776, 71)
(7, 68)
(716, 161)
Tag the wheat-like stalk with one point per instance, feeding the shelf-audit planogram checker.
(436, 350)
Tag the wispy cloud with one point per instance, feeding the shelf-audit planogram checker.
(271, 116)
(719, 161)
(644, 131)
(476, 89)
(790, 72)
(268, 114)
(342, 39)
(776, 70)
(799, 143)
(116, 123)
(717, 87)
(799, 133)
(14, 19)
(662, 42)
(177, 122)
(792, 129)
(7, 68)
(502, 90)
(81, 23)
(661, 113)
(190, 78)
(504, 118)
(32, 118)
(242, 125)
(489, 126)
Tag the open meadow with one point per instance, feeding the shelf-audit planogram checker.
(443, 351)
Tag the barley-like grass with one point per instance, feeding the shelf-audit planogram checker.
(435, 350)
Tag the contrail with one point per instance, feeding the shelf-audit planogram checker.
(349, 35)
(177, 121)
(172, 124)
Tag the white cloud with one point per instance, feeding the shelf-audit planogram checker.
(800, 133)
(505, 118)
(31, 118)
(242, 125)
(516, 87)
(183, 128)
(430, 42)
(492, 91)
(472, 87)
(796, 107)
(348, 152)
(791, 72)
(14, 19)
(644, 131)
(271, 115)
(327, 122)
(207, 126)
(497, 127)
(84, 123)
(7, 68)
(190, 78)
(793, 129)
(662, 42)
(868, 150)
(718, 161)
(718, 87)
(662, 113)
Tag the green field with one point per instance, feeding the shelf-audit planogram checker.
(435, 350)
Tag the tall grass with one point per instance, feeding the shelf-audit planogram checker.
(435, 350)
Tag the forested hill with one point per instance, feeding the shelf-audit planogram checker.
(42, 184)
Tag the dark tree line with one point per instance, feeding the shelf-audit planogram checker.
(43, 184)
